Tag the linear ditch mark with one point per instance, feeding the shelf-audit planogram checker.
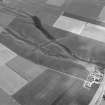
(19, 38)
(52, 39)
(11, 10)
(37, 23)
(33, 44)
